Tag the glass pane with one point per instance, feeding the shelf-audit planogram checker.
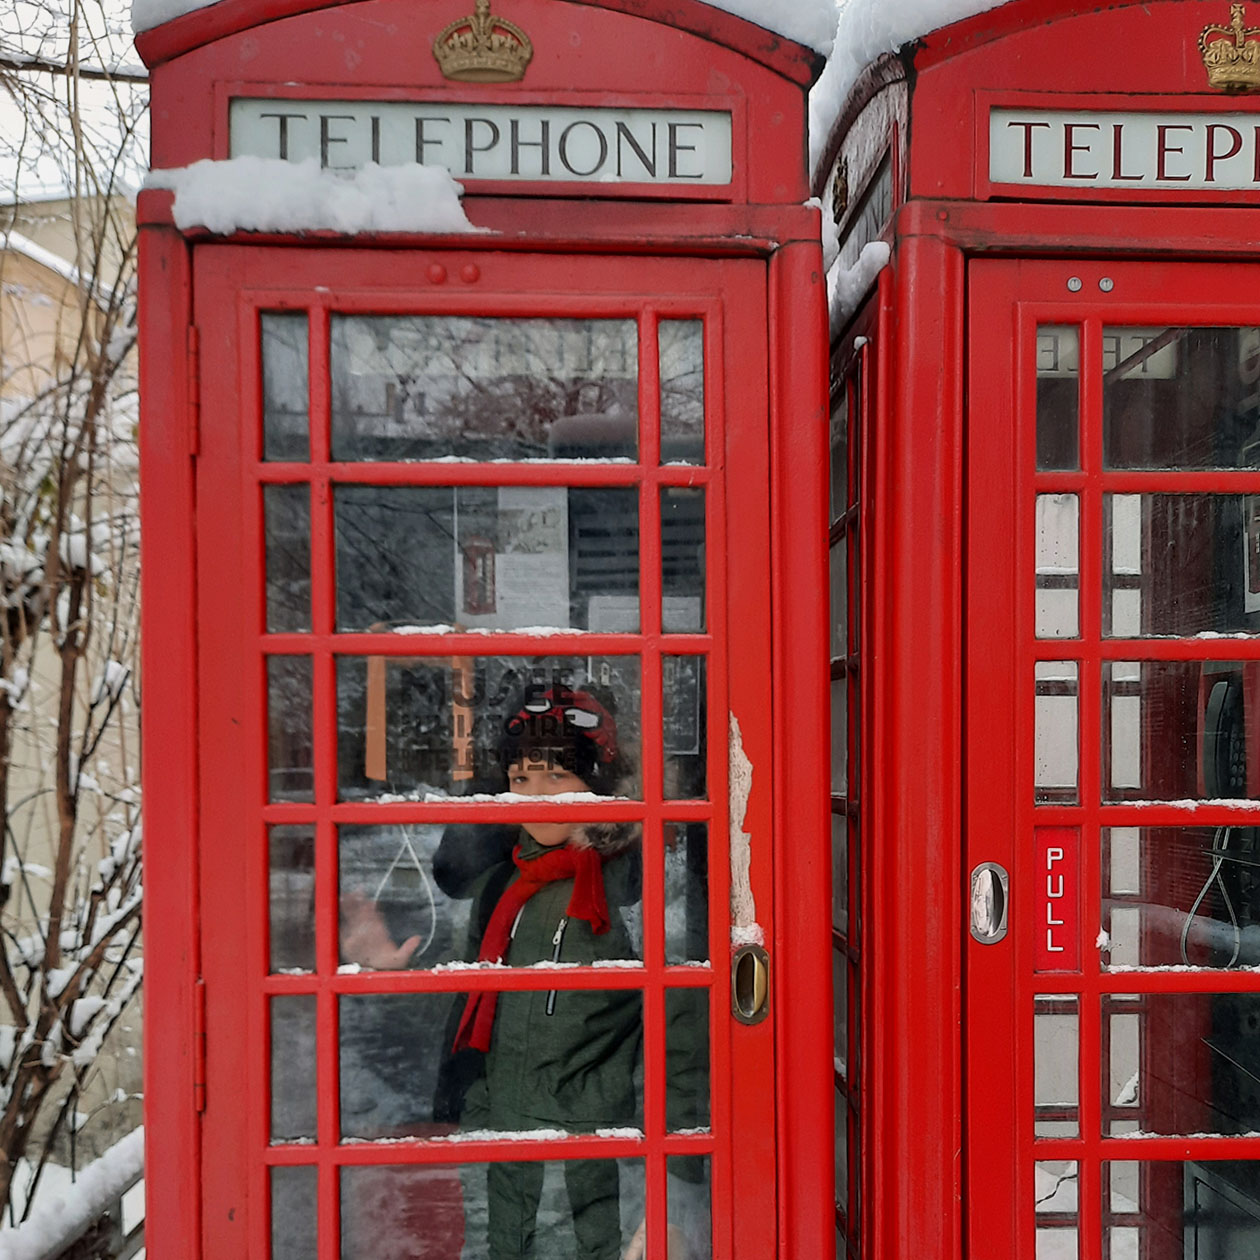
(415, 896)
(481, 557)
(839, 560)
(1055, 1188)
(421, 726)
(1180, 397)
(292, 897)
(1058, 566)
(840, 872)
(842, 1150)
(422, 1064)
(1177, 730)
(428, 387)
(682, 390)
(686, 893)
(840, 451)
(287, 511)
(293, 1088)
(1184, 1063)
(290, 725)
(1056, 749)
(840, 996)
(1183, 896)
(294, 1214)
(686, 749)
(687, 1060)
(1058, 396)
(682, 561)
(1207, 1209)
(840, 735)
(1185, 564)
(491, 1211)
(286, 405)
(1056, 1042)
(687, 1192)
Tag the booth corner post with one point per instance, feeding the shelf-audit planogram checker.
(483, 368)
(1045, 443)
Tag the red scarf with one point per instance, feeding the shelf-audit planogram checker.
(586, 869)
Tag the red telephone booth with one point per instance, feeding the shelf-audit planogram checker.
(470, 534)
(1046, 427)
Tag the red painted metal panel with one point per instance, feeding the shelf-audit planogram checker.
(168, 574)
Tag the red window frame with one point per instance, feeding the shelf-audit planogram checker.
(232, 286)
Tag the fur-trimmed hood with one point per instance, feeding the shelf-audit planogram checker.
(608, 839)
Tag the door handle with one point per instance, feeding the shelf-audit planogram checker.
(990, 895)
(750, 984)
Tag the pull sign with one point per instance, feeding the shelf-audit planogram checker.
(1057, 924)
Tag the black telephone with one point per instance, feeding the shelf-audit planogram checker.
(1225, 739)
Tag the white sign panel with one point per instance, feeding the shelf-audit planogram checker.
(1133, 150)
(538, 143)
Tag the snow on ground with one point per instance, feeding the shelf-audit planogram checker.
(866, 30)
(63, 1212)
(809, 22)
(254, 194)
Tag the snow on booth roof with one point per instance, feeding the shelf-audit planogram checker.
(866, 30)
(808, 22)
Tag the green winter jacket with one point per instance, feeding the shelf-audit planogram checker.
(564, 1058)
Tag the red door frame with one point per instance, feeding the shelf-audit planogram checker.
(804, 1211)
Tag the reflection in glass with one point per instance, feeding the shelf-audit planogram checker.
(1208, 1209)
(1055, 1187)
(543, 1209)
(682, 561)
(1058, 396)
(290, 726)
(1058, 566)
(293, 1089)
(686, 1060)
(425, 387)
(292, 897)
(840, 735)
(1182, 564)
(294, 1215)
(286, 393)
(1056, 1042)
(840, 995)
(842, 1155)
(1056, 749)
(687, 1188)
(681, 344)
(840, 872)
(839, 562)
(686, 750)
(484, 557)
(1175, 731)
(686, 892)
(840, 452)
(1181, 397)
(441, 725)
(1185, 1063)
(287, 513)
(1183, 896)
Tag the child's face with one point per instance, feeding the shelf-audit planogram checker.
(540, 779)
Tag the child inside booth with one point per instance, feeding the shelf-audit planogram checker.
(560, 1059)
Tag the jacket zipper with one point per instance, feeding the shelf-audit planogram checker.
(556, 942)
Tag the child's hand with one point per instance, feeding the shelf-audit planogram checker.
(365, 939)
(678, 1249)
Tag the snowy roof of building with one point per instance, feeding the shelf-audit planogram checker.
(808, 22)
(20, 244)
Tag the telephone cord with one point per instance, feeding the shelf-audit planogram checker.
(1220, 842)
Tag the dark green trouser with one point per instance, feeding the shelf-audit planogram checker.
(515, 1189)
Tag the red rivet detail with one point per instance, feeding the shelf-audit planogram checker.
(471, 273)
(437, 273)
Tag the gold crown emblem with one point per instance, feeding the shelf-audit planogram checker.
(483, 49)
(1231, 58)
